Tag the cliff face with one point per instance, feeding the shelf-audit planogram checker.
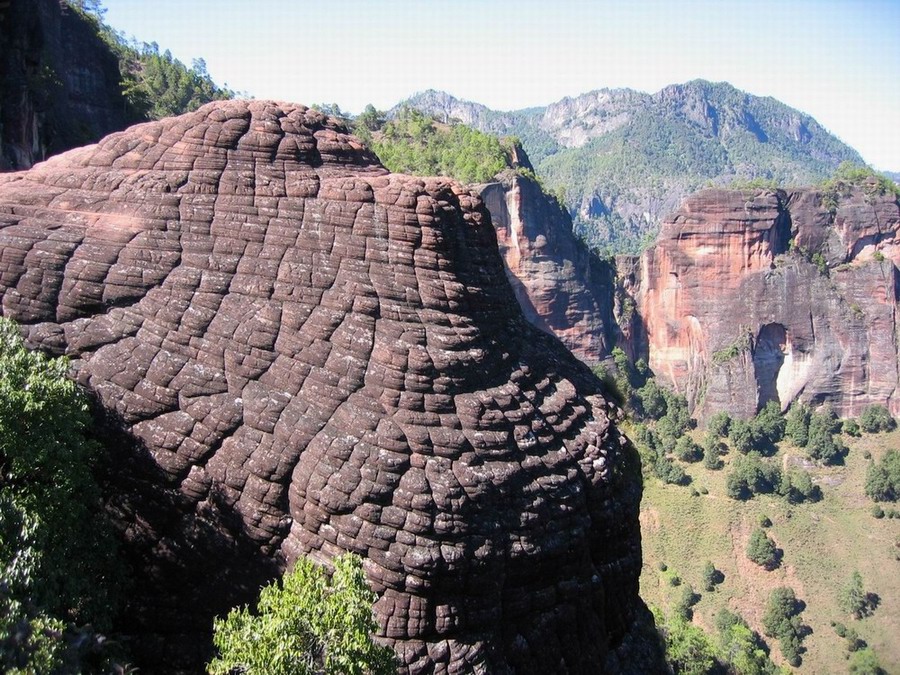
(561, 288)
(298, 352)
(748, 297)
(60, 83)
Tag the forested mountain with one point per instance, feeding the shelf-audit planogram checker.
(626, 158)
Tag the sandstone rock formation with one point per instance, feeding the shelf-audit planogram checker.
(561, 287)
(752, 296)
(300, 353)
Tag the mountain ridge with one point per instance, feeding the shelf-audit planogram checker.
(627, 158)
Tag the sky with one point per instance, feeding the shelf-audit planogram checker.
(837, 60)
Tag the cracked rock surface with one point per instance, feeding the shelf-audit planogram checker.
(297, 352)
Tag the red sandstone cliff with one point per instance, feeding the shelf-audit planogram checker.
(752, 296)
(561, 287)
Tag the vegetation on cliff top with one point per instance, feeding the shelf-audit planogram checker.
(154, 84)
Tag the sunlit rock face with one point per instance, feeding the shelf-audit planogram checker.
(756, 296)
(295, 352)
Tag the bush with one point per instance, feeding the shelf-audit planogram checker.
(686, 601)
(883, 478)
(769, 425)
(719, 424)
(797, 425)
(652, 400)
(782, 620)
(875, 419)
(712, 451)
(853, 598)
(762, 550)
(58, 563)
(742, 648)
(688, 451)
(878, 512)
(749, 476)
(865, 662)
(822, 444)
(764, 521)
(689, 650)
(797, 487)
(741, 436)
(669, 472)
(851, 428)
(711, 576)
(307, 624)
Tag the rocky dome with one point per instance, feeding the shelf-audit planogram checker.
(299, 353)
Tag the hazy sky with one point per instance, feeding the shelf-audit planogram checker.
(838, 60)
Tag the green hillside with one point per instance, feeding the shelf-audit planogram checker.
(626, 159)
(823, 543)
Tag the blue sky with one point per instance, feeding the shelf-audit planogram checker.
(838, 60)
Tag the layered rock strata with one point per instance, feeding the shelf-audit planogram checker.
(561, 288)
(754, 296)
(299, 353)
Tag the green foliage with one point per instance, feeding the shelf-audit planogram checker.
(797, 424)
(851, 428)
(688, 451)
(669, 472)
(741, 436)
(652, 400)
(689, 651)
(741, 647)
(853, 598)
(712, 451)
(782, 620)
(686, 600)
(57, 557)
(875, 419)
(732, 351)
(719, 424)
(865, 662)
(711, 577)
(883, 479)
(796, 486)
(822, 444)
(761, 550)
(751, 475)
(769, 423)
(415, 143)
(849, 175)
(307, 624)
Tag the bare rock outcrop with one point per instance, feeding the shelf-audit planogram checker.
(561, 287)
(752, 296)
(299, 353)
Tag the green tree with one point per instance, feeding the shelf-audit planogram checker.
(741, 436)
(688, 451)
(875, 419)
(741, 647)
(797, 424)
(761, 549)
(711, 576)
(58, 565)
(865, 662)
(689, 651)
(782, 620)
(853, 598)
(822, 443)
(883, 478)
(718, 424)
(307, 624)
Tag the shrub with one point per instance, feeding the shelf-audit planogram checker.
(797, 424)
(719, 424)
(742, 648)
(749, 476)
(764, 521)
(853, 598)
(822, 444)
(797, 487)
(875, 419)
(686, 601)
(689, 650)
(782, 620)
(865, 662)
(769, 424)
(883, 478)
(688, 451)
(58, 563)
(307, 624)
(878, 512)
(652, 400)
(761, 550)
(669, 472)
(741, 436)
(711, 576)
(851, 428)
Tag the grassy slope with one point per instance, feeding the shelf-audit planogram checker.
(823, 543)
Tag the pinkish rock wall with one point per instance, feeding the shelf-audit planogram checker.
(734, 310)
(298, 353)
(561, 288)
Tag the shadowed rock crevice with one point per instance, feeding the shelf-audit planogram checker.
(313, 355)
